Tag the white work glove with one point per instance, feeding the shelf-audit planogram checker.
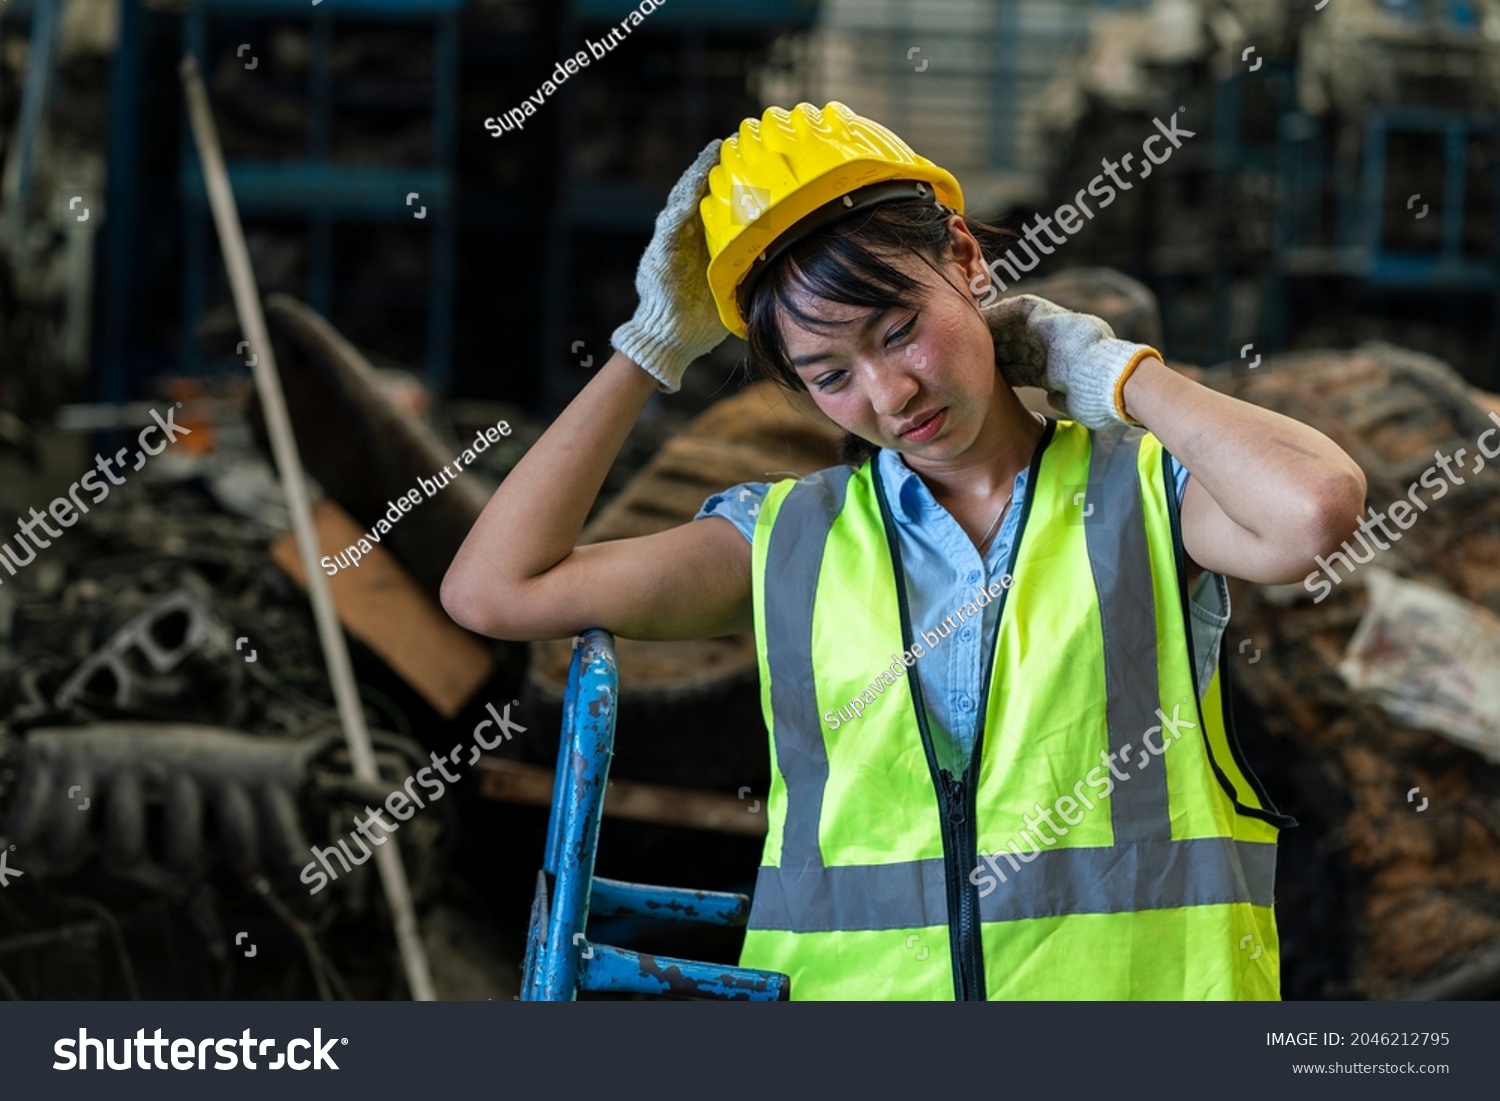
(1073, 356)
(676, 321)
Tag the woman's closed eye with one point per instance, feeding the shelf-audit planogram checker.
(895, 336)
(902, 332)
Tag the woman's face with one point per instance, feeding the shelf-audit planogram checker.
(919, 379)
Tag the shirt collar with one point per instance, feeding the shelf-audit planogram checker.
(907, 493)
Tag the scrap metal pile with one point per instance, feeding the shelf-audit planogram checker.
(169, 755)
(1407, 819)
(165, 711)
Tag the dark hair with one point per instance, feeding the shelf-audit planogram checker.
(849, 262)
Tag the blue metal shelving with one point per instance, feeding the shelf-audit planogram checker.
(705, 13)
(1332, 221)
(621, 207)
(325, 192)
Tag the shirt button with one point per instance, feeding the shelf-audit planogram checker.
(966, 634)
(973, 576)
(965, 703)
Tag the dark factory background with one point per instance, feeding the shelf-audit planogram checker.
(1326, 243)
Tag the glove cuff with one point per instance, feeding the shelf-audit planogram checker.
(658, 357)
(1142, 354)
(661, 347)
(1096, 396)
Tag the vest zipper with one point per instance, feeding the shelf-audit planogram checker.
(959, 855)
(956, 797)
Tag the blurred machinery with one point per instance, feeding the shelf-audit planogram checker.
(1346, 186)
(161, 779)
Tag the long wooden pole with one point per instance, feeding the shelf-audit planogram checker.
(289, 467)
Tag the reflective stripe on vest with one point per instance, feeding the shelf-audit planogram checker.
(1181, 834)
(909, 894)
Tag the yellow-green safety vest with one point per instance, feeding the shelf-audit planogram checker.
(1155, 878)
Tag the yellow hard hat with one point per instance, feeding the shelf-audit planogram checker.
(786, 165)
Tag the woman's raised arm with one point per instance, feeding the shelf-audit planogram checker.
(1268, 493)
(519, 574)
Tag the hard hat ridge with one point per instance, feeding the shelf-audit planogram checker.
(788, 166)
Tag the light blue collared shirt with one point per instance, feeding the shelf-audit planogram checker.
(943, 568)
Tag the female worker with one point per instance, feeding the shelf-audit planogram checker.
(1001, 761)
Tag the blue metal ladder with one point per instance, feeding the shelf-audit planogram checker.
(559, 960)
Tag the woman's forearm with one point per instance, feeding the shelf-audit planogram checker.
(533, 520)
(1288, 487)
